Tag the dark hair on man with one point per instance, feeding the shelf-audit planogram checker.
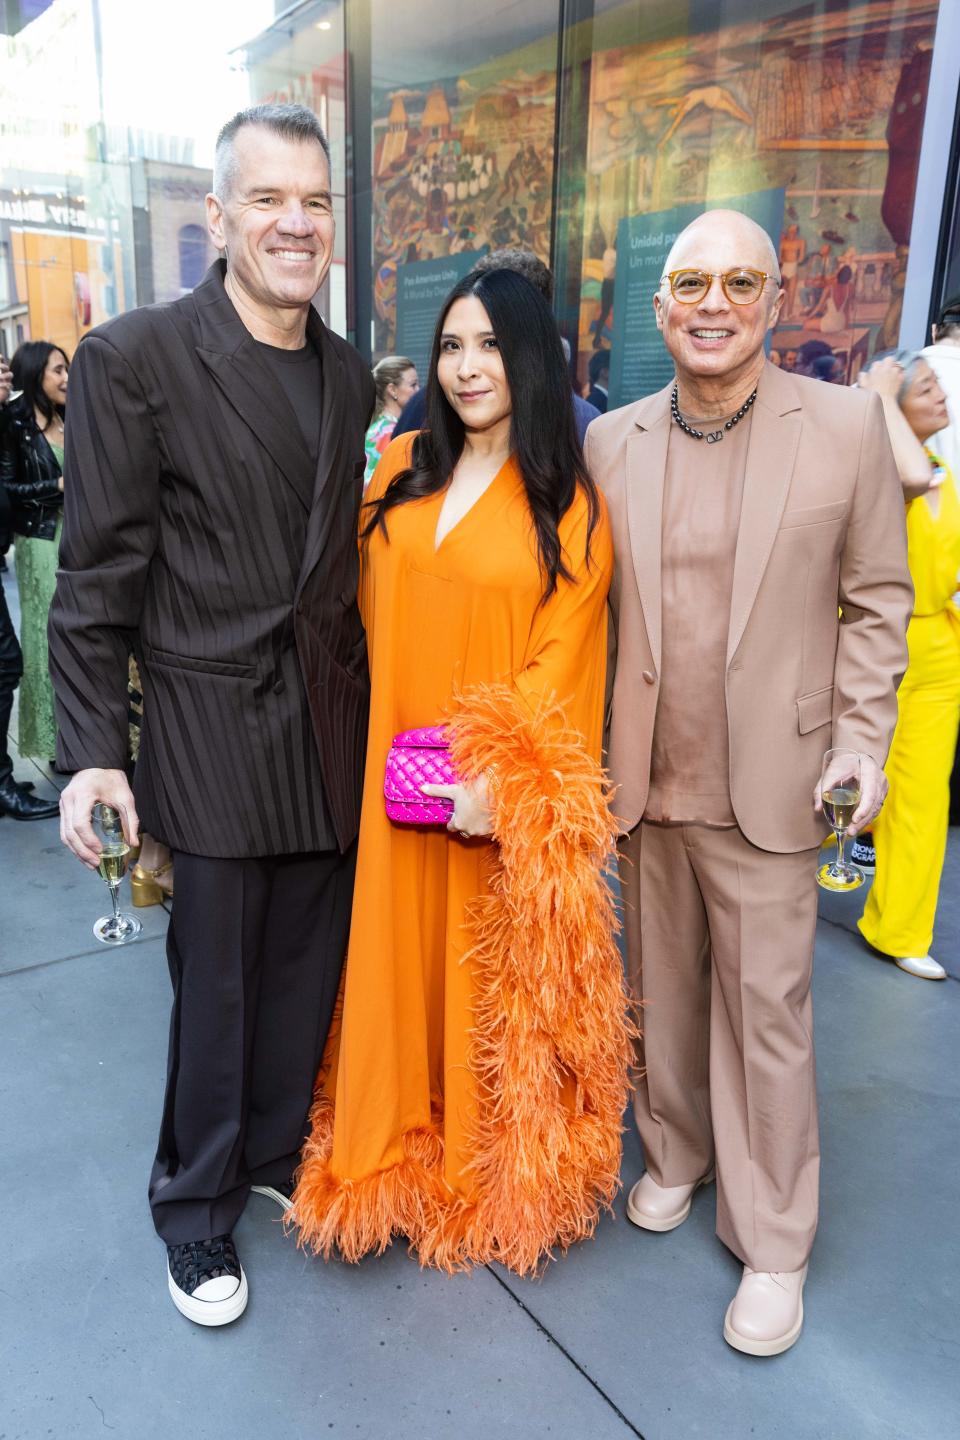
(522, 262)
(543, 434)
(948, 319)
(598, 362)
(824, 367)
(293, 122)
(810, 351)
(28, 366)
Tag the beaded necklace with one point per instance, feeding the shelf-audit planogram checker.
(713, 435)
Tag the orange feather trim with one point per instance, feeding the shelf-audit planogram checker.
(551, 1047)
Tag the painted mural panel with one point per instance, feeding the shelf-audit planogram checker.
(461, 165)
(826, 102)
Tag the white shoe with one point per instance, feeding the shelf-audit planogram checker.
(206, 1281)
(282, 1194)
(765, 1316)
(923, 966)
(661, 1207)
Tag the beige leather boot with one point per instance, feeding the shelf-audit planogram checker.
(661, 1207)
(765, 1316)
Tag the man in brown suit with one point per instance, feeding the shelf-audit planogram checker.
(214, 469)
(747, 506)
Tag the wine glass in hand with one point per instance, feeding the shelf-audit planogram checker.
(840, 793)
(115, 929)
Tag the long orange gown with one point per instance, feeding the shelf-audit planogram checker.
(438, 619)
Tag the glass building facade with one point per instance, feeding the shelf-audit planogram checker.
(589, 131)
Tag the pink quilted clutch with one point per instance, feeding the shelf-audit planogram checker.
(418, 757)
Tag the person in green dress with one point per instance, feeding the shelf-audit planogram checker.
(31, 469)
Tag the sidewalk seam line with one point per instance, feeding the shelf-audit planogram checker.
(566, 1353)
(80, 955)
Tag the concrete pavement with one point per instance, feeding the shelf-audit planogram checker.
(620, 1338)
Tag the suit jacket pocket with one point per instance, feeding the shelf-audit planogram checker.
(191, 662)
(814, 710)
(814, 515)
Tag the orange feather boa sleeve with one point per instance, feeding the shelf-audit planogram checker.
(552, 1041)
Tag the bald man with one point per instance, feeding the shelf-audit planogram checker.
(748, 506)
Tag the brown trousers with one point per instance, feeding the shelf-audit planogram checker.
(720, 942)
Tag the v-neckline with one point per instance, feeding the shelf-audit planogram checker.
(439, 544)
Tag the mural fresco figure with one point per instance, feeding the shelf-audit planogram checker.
(609, 275)
(820, 266)
(793, 252)
(712, 97)
(513, 175)
(832, 311)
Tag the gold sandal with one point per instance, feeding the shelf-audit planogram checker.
(145, 887)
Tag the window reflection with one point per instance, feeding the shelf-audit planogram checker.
(463, 133)
(712, 103)
(192, 244)
(811, 114)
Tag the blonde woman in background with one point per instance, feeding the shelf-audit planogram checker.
(396, 380)
(911, 829)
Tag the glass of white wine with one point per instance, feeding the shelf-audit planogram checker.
(118, 928)
(840, 792)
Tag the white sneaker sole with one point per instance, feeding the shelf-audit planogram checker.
(669, 1222)
(271, 1194)
(210, 1312)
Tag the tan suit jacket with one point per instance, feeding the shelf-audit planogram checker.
(822, 526)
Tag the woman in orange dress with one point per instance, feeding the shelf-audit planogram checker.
(472, 1094)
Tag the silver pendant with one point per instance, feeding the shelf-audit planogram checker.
(714, 436)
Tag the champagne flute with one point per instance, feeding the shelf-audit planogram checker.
(115, 929)
(840, 793)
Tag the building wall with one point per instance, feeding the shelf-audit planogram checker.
(668, 107)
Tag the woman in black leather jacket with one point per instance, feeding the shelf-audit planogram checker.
(31, 471)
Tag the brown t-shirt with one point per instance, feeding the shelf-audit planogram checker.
(703, 493)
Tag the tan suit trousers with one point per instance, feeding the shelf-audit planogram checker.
(720, 939)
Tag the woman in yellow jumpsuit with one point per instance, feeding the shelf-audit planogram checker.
(911, 831)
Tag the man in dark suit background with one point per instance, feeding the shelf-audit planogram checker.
(599, 373)
(214, 470)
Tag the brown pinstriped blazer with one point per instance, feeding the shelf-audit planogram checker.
(822, 526)
(198, 533)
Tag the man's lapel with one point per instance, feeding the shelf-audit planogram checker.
(774, 436)
(229, 353)
(333, 438)
(646, 469)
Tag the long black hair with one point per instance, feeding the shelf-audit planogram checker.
(28, 366)
(543, 433)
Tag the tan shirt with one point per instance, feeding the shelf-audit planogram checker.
(703, 493)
